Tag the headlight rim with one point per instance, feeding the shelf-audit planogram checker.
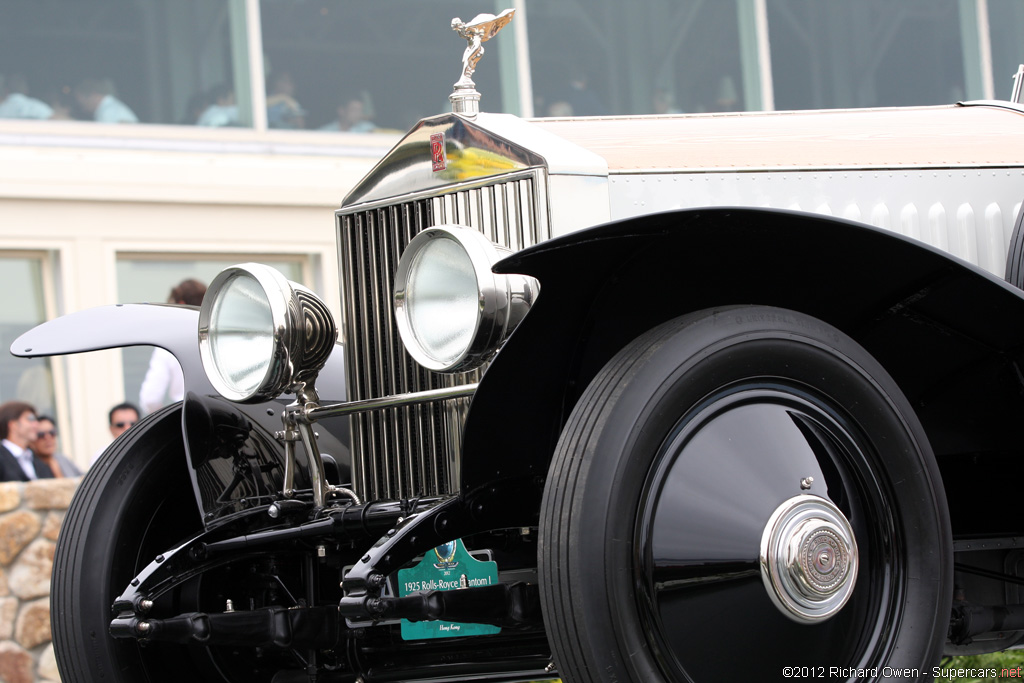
(496, 315)
(280, 297)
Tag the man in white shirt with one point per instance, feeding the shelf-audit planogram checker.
(163, 381)
(18, 463)
(163, 378)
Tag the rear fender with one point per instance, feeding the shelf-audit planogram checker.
(949, 333)
(235, 461)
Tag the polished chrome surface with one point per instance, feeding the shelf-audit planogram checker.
(501, 301)
(318, 477)
(278, 298)
(303, 334)
(473, 153)
(808, 559)
(354, 407)
(478, 30)
(409, 450)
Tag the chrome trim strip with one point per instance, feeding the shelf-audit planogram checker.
(536, 173)
(352, 407)
(996, 104)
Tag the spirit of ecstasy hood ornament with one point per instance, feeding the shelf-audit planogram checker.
(481, 28)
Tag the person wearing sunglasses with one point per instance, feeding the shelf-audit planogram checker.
(45, 448)
(121, 418)
(17, 461)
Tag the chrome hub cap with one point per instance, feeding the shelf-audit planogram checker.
(808, 559)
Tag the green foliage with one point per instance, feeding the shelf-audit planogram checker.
(996, 667)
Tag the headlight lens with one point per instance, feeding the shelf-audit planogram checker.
(261, 335)
(242, 334)
(452, 311)
(442, 298)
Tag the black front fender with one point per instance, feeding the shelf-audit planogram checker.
(170, 327)
(234, 459)
(948, 332)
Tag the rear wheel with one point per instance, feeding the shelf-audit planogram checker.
(744, 485)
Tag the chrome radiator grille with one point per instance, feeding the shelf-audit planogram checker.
(414, 450)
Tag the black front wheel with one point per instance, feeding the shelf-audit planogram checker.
(135, 502)
(744, 487)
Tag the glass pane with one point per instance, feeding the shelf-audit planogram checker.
(368, 66)
(1006, 19)
(872, 53)
(641, 57)
(141, 279)
(22, 379)
(120, 61)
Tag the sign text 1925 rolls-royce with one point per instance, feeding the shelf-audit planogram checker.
(614, 399)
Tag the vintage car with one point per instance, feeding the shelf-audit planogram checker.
(617, 399)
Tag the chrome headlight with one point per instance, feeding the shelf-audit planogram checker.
(261, 335)
(452, 312)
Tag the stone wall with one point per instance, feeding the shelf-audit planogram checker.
(30, 518)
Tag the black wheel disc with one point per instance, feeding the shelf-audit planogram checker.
(724, 470)
(744, 485)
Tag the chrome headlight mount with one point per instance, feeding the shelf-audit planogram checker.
(261, 335)
(453, 313)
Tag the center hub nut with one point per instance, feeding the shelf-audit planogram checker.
(808, 559)
(818, 558)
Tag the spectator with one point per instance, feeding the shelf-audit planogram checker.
(16, 104)
(352, 118)
(727, 98)
(283, 110)
(163, 379)
(45, 448)
(121, 418)
(664, 102)
(194, 108)
(223, 111)
(96, 98)
(580, 97)
(18, 463)
(560, 109)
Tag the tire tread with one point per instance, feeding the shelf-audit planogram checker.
(558, 510)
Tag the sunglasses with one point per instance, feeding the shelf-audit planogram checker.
(48, 432)
(123, 425)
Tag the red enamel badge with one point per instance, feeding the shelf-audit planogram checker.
(437, 152)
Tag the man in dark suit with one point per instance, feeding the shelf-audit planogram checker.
(19, 426)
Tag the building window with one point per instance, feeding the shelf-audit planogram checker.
(873, 53)
(643, 57)
(1006, 24)
(122, 61)
(29, 380)
(364, 67)
(150, 278)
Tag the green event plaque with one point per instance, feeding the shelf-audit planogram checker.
(446, 567)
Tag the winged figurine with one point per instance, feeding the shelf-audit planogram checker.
(477, 31)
